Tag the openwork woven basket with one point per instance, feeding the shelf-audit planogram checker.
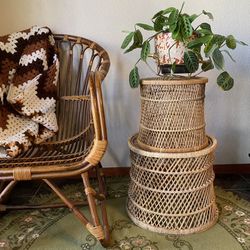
(172, 115)
(172, 193)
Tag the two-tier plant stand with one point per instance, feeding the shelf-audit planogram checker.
(171, 189)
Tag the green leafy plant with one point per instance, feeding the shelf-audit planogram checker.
(204, 49)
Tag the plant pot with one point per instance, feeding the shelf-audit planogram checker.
(179, 69)
(168, 51)
(172, 114)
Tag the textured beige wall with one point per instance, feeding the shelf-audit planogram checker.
(228, 114)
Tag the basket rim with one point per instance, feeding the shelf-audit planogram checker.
(133, 145)
(176, 81)
(172, 150)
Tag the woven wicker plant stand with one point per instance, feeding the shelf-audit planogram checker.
(171, 189)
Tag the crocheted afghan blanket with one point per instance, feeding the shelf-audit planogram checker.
(28, 76)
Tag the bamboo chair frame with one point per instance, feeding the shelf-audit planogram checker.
(70, 153)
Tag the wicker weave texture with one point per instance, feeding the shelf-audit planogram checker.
(172, 115)
(172, 195)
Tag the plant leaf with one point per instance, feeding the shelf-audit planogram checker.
(210, 47)
(228, 55)
(207, 65)
(197, 51)
(210, 16)
(145, 26)
(132, 47)
(157, 14)
(186, 28)
(218, 59)
(225, 81)
(205, 32)
(192, 17)
(231, 42)
(168, 10)
(191, 61)
(159, 23)
(136, 44)
(205, 26)
(127, 40)
(176, 32)
(145, 50)
(219, 39)
(138, 38)
(173, 19)
(134, 78)
(163, 12)
(199, 41)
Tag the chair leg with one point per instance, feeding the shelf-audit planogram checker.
(99, 168)
(6, 190)
(103, 189)
(95, 229)
(91, 196)
(71, 206)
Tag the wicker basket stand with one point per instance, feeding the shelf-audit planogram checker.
(171, 189)
(172, 115)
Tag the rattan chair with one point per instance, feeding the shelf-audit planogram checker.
(81, 140)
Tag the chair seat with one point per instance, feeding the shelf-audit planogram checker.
(64, 152)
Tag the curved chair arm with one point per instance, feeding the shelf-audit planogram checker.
(100, 141)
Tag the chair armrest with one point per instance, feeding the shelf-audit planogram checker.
(100, 141)
(98, 81)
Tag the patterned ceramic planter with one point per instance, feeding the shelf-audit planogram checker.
(168, 51)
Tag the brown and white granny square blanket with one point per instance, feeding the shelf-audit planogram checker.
(29, 70)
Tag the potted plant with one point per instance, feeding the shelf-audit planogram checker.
(181, 47)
